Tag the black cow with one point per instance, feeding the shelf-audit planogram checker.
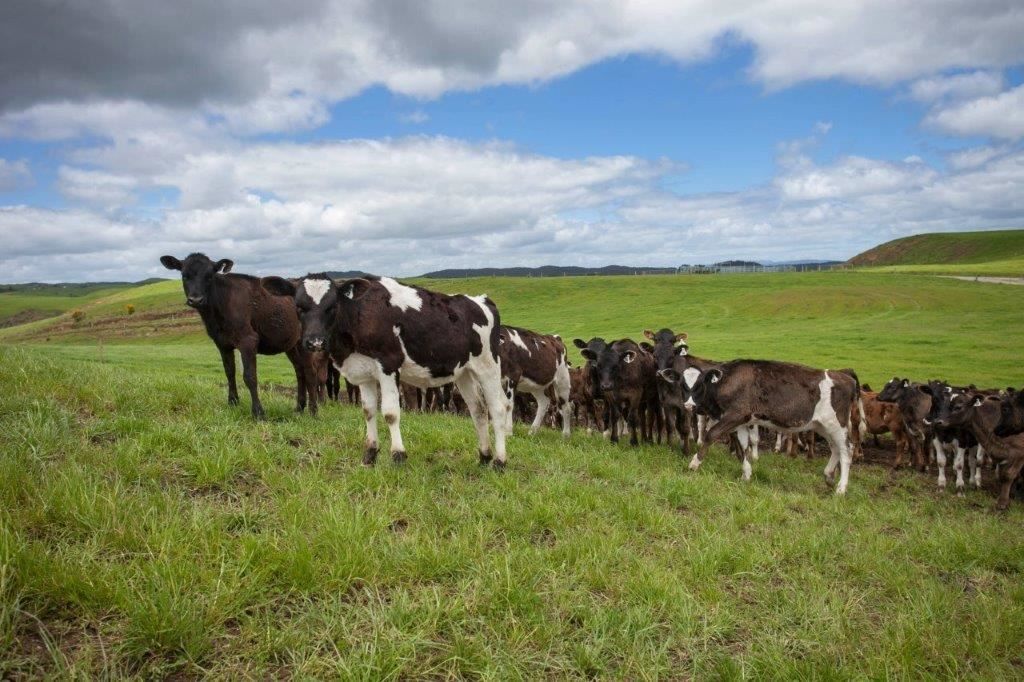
(239, 313)
(376, 327)
(625, 375)
(784, 396)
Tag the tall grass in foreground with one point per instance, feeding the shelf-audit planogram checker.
(147, 528)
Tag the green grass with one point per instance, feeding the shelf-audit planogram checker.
(1007, 267)
(146, 528)
(949, 248)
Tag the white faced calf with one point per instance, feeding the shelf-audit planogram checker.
(376, 328)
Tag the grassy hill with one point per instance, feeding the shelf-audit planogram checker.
(996, 252)
(24, 303)
(879, 324)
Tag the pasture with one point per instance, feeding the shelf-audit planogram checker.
(147, 528)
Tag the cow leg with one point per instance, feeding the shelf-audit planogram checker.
(248, 353)
(682, 424)
(633, 417)
(743, 438)
(840, 454)
(940, 459)
(390, 408)
(1007, 475)
(543, 402)
(723, 426)
(958, 466)
(563, 390)
(976, 462)
(778, 441)
(477, 412)
(227, 357)
(368, 394)
(702, 426)
(306, 381)
(755, 439)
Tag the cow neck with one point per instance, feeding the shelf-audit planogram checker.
(992, 443)
(212, 313)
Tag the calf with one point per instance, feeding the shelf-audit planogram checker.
(668, 345)
(785, 396)
(880, 417)
(238, 313)
(982, 415)
(914, 405)
(625, 374)
(597, 412)
(532, 363)
(376, 327)
(958, 437)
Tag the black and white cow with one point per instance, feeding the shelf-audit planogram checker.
(376, 327)
(532, 363)
(784, 396)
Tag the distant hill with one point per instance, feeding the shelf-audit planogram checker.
(945, 248)
(70, 288)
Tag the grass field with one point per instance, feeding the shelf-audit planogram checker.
(147, 528)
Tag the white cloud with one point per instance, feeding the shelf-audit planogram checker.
(14, 174)
(96, 187)
(956, 86)
(1000, 116)
(415, 117)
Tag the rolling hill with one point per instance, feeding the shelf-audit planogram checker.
(951, 248)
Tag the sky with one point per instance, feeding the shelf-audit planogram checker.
(403, 136)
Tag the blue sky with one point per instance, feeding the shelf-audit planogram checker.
(403, 138)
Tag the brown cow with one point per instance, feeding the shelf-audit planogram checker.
(238, 313)
(880, 418)
(625, 374)
(782, 395)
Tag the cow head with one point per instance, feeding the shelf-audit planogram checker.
(958, 409)
(940, 393)
(318, 300)
(667, 346)
(1011, 417)
(893, 389)
(197, 275)
(690, 386)
(607, 364)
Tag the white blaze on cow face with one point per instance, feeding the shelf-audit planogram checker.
(402, 297)
(690, 376)
(316, 289)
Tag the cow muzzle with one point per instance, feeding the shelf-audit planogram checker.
(314, 343)
(195, 301)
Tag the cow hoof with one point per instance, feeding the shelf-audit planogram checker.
(840, 491)
(259, 416)
(498, 464)
(694, 466)
(370, 457)
(399, 457)
(232, 400)
(485, 458)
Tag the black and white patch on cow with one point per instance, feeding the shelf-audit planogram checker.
(378, 328)
(536, 363)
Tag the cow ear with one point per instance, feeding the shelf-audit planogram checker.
(927, 390)
(354, 288)
(170, 262)
(579, 343)
(865, 387)
(714, 375)
(906, 383)
(224, 265)
(647, 347)
(589, 354)
(649, 334)
(949, 389)
(629, 356)
(681, 336)
(278, 286)
(977, 401)
(682, 349)
(669, 375)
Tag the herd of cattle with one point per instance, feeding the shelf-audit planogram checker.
(400, 345)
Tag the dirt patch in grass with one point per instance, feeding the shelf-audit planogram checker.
(26, 316)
